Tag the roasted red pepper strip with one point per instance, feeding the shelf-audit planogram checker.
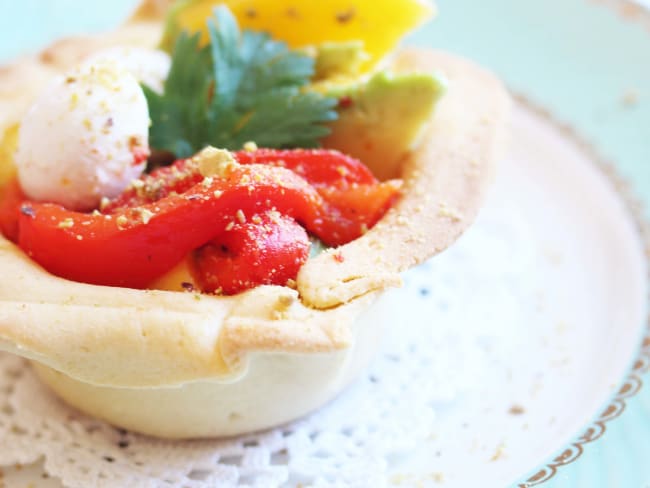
(269, 250)
(173, 211)
(317, 166)
(135, 246)
(321, 168)
(355, 199)
(357, 208)
(177, 178)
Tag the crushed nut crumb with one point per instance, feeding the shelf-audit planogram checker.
(241, 217)
(145, 214)
(445, 211)
(66, 224)
(215, 162)
(121, 221)
(250, 146)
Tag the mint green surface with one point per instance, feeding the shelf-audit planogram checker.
(27, 25)
(575, 57)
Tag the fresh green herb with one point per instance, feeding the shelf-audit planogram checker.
(243, 87)
(178, 118)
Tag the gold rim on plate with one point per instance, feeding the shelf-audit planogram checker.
(633, 382)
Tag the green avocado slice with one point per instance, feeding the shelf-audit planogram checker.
(381, 119)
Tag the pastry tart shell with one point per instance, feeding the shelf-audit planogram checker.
(181, 365)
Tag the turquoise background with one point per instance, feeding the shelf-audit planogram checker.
(575, 57)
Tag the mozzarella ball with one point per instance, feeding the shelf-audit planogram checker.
(149, 66)
(85, 137)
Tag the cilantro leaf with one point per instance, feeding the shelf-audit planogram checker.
(243, 87)
(179, 116)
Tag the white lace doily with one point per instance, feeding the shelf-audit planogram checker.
(439, 352)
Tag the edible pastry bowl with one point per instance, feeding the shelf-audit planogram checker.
(186, 365)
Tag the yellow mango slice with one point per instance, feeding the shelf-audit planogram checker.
(178, 279)
(8, 144)
(380, 24)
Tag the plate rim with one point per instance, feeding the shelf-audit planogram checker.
(632, 382)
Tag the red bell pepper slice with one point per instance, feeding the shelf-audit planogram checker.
(355, 199)
(321, 168)
(355, 210)
(318, 166)
(266, 251)
(174, 210)
(133, 247)
(160, 183)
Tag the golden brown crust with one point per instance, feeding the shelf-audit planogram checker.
(131, 338)
(135, 338)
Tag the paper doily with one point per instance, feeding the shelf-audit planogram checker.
(439, 352)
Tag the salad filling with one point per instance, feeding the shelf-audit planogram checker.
(243, 217)
(238, 218)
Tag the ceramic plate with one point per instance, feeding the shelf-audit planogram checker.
(588, 64)
(544, 303)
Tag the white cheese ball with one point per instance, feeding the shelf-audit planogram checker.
(149, 66)
(84, 138)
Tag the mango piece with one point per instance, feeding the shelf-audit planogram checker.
(379, 23)
(380, 120)
(178, 279)
(8, 145)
